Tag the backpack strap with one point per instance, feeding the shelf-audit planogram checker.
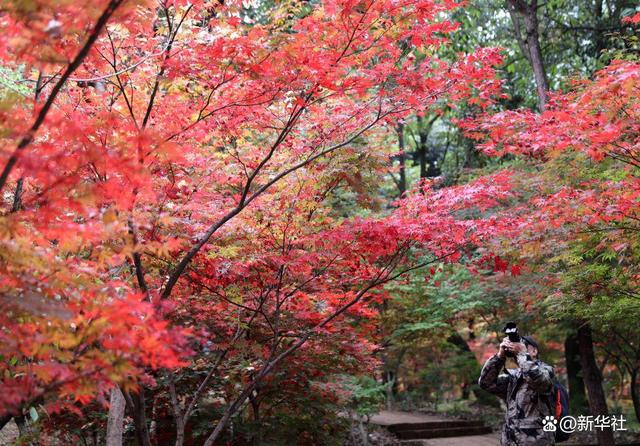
(558, 407)
(550, 399)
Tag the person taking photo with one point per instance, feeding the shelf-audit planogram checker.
(525, 391)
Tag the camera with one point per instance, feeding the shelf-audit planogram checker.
(511, 330)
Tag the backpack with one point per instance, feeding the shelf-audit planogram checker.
(559, 400)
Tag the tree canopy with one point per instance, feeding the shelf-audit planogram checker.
(227, 212)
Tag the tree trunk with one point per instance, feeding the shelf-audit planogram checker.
(537, 63)
(530, 44)
(462, 345)
(482, 396)
(138, 412)
(363, 432)
(577, 396)
(180, 432)
(389, 379)
(427, 159)
(598, 34)
(115, 420)
(402, 157)
(255, 407)
(593, 382)
(634, 393)
(180, 418)
(422, 148)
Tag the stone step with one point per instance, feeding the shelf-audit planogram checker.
(421, 434)
(401, 427)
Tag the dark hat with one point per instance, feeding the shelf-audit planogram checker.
(528, 340)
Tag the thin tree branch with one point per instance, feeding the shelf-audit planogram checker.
(73, 66)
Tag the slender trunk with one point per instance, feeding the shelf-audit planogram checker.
(537, 62)
(427, 159)
(17, 196)
(363, 432)
(422, 148)
(598, 34)
(391, 376)
(179, 432)
(138, 413)
(255, 407)
(482, 396)
(229, 413)
(465, 390)
(530, 44)
(593, 382)
(389, 379)
(178, 416)
(634, 393)
(433, 170)
(115, 420)
(458, 341)
(577, 396)
(402, 157)
(514, 14)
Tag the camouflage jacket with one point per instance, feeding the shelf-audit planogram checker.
(525, 391)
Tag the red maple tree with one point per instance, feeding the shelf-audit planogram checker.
(165, 189)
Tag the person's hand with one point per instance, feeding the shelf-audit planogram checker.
(508, 346)
(518, 347)
(504, 348)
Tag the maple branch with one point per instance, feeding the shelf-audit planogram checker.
(220, 295)
(17, 197)
(118, 72)
(202, 387)
(137, 258)
(384, 275)
(288, 127)
(182, 265)
(73, 66)
(320, 154)
(120, 84)
(172, 36)
(47, 388)
(203, 116)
